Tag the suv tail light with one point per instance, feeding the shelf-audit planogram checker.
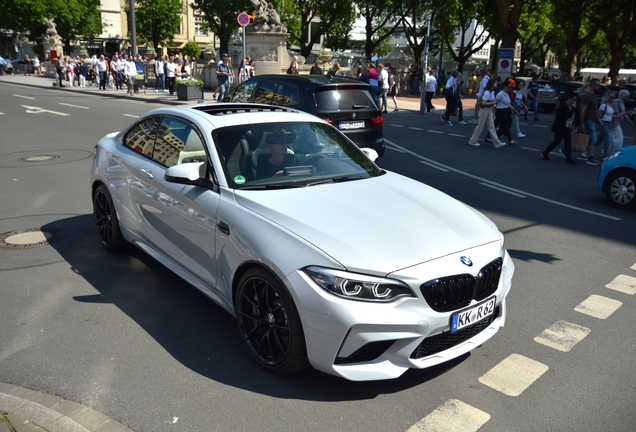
(377, 120)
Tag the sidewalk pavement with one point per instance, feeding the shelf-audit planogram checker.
(23, 410)
(405, 102)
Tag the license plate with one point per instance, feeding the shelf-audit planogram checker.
(472, 315)
(351, 124)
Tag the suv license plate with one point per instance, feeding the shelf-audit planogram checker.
(351, 124)
(473, 315)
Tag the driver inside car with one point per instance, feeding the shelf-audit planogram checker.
(274, 164)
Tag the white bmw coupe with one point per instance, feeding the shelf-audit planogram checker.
(323, 258)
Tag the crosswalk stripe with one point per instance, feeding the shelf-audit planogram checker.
(623, 283)
(598, 306)
(454, 415)
(562, 335)
(513, 375)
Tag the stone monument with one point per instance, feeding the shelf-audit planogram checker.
(51, 40)
(266, 40)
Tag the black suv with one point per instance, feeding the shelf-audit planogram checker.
(344, 102)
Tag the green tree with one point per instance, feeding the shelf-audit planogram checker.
(220, 17)
(620, 32)
(192, 49)
(379, 15)
(463, 26)
(157, 21)
(537, 32)
(508, 12)
(308, 20)
(73, 19)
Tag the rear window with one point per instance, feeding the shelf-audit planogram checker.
(343, 99)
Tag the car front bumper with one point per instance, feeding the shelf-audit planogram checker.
(364, 341)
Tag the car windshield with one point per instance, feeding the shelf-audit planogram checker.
(289, 154)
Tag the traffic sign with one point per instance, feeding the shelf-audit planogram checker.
(243, 19)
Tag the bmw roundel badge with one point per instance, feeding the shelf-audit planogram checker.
(466, 261)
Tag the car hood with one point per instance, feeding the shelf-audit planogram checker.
(377, 225)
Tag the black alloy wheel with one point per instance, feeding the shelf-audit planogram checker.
(269, 323)
(106, 220)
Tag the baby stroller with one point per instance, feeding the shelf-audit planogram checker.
(91, 77)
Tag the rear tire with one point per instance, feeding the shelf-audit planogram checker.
(106, 220)
(269, 323)
(621, 189)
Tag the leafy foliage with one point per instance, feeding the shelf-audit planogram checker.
(157, 21)
(192, 49)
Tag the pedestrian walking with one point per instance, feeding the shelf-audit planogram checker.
(393, 86)
(223, 74)
(606, 115)
(130, 72)
(160, 76)
(458, 98)
(588, 118)
(482, 86)
(564, 120)
(620, 115)
(486, 117)
(532, 99)
(315, 69)
(383, 87)
(171, 74)
(450, 89)
(102, 69)
(517, 106)
(431, 88)
(503, 118)
(59, 69)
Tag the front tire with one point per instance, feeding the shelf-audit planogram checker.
(621, 189)
(106, 220)
(269, 323)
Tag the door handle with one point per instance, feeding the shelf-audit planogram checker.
(224, 228)
(148, 173)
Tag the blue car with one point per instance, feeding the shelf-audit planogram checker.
(617, 178)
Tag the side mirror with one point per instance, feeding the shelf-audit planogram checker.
(370, 153)
(188, 174)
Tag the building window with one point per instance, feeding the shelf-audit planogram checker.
(199, 26)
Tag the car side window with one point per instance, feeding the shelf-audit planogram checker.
(141, 138)
(292, 96)
(244, 92)
(265, 92)
(178, 142)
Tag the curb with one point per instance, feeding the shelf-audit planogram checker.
(30, 410)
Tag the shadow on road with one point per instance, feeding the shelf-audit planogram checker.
(193, 329)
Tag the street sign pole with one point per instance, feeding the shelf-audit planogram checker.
(243, 20)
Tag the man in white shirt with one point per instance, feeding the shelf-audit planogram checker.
(430, 88)
(130, 71)
(160, 76)
(118, 69)
(171, 68)
(383, 78)
(102, 68)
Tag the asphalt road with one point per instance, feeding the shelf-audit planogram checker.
(122, 335)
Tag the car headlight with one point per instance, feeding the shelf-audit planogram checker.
(358, 287)
(502, 244)
(613, 155)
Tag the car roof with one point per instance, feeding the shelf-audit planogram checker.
(231, 114)
(315, 80)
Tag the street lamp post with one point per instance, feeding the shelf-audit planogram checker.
(133, 32)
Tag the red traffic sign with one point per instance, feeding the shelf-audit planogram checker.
(243, 19)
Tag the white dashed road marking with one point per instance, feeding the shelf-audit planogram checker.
(130, 115)
(499, 184)
(598, 306)
(502, 190)
(457, 135)
(24, 97)
(513, 375)
(415, 128)
(435, 131)
(453, 416)
(434, 166)
(71, 105)
(562, 335)
(623, 283)
(398, 125)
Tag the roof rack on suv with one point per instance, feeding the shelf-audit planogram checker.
(227, 109)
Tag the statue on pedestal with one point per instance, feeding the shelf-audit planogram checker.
(50, 40)
(266, 18)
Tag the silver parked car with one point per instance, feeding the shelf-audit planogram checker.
(323, 258)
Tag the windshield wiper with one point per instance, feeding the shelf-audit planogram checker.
(336, 180)
(273, 186)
